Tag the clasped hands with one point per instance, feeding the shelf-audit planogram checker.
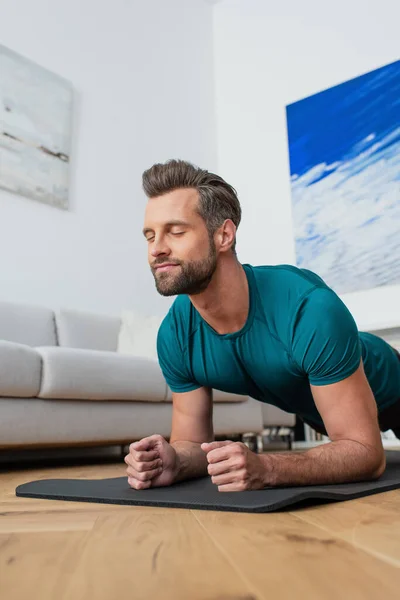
(153, 462)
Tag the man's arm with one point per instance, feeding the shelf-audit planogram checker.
(191, 426)
(349, 412)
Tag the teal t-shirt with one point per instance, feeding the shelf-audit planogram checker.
(298, 332)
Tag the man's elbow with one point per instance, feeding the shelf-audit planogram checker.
(378, 465)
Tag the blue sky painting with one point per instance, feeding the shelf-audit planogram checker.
(344, 149)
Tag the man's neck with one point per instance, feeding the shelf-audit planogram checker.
(225, 303)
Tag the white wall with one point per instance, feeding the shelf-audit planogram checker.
(142, 71)
(267, 55)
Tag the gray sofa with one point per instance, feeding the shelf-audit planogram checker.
(63, 384)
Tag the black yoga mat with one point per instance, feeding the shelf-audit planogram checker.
(203, 494)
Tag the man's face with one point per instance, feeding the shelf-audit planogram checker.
(181, 255)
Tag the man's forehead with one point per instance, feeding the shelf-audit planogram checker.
(179, 204)
(180, 198)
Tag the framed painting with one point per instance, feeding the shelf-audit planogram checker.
(344, 151)
(35, 131)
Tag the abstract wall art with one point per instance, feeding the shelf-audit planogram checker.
(35, 130)
(344, 151)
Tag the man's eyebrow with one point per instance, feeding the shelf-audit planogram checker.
(147, 230)
(177, 222)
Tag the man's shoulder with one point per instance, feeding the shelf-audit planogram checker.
(285, 279)
(284, 291)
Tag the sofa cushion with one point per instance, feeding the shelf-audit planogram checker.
(78, 374)
(138, 334)
(20, 370)
(91, 331)
(25, 324)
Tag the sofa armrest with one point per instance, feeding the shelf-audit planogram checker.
(20, 370)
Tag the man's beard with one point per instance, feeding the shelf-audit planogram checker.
(191, 277)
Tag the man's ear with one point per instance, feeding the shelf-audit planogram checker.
(226, 235)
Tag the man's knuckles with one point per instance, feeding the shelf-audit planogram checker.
(213, 469)
(241, 461)
(141, 476)
(142, 485)
(240, 449)
(138, 485)
(150, 440)
(239, 478)
(243, 486)
(217, 455)
(148, 466)
(235, 464)
(140, 467)
(139, 456)
(234, 448)
(146, 475)
(239, 485)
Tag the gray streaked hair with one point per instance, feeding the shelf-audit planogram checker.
(218, 200)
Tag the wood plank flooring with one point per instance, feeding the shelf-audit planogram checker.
(65, 550)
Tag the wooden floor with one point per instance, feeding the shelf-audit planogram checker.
(52, 550)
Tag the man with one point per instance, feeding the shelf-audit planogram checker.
(276, 333)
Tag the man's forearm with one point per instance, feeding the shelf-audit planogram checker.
(335, 462)
(191, 460)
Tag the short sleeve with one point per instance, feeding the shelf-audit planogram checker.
(171, 359)
(324, 338)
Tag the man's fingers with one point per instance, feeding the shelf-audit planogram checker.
(219, 454)
(225, 479)
(138, 485)
(139, 457)
(145, 466)
(208, 446)
(144, 444)
(230, 487)
(223, 466)
(143, 475)
(148, 456)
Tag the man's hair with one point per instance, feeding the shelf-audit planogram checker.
(217, 199)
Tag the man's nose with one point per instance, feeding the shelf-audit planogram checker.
(159, 247)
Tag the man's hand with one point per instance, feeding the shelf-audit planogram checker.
(233, 467)
(152, 462)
